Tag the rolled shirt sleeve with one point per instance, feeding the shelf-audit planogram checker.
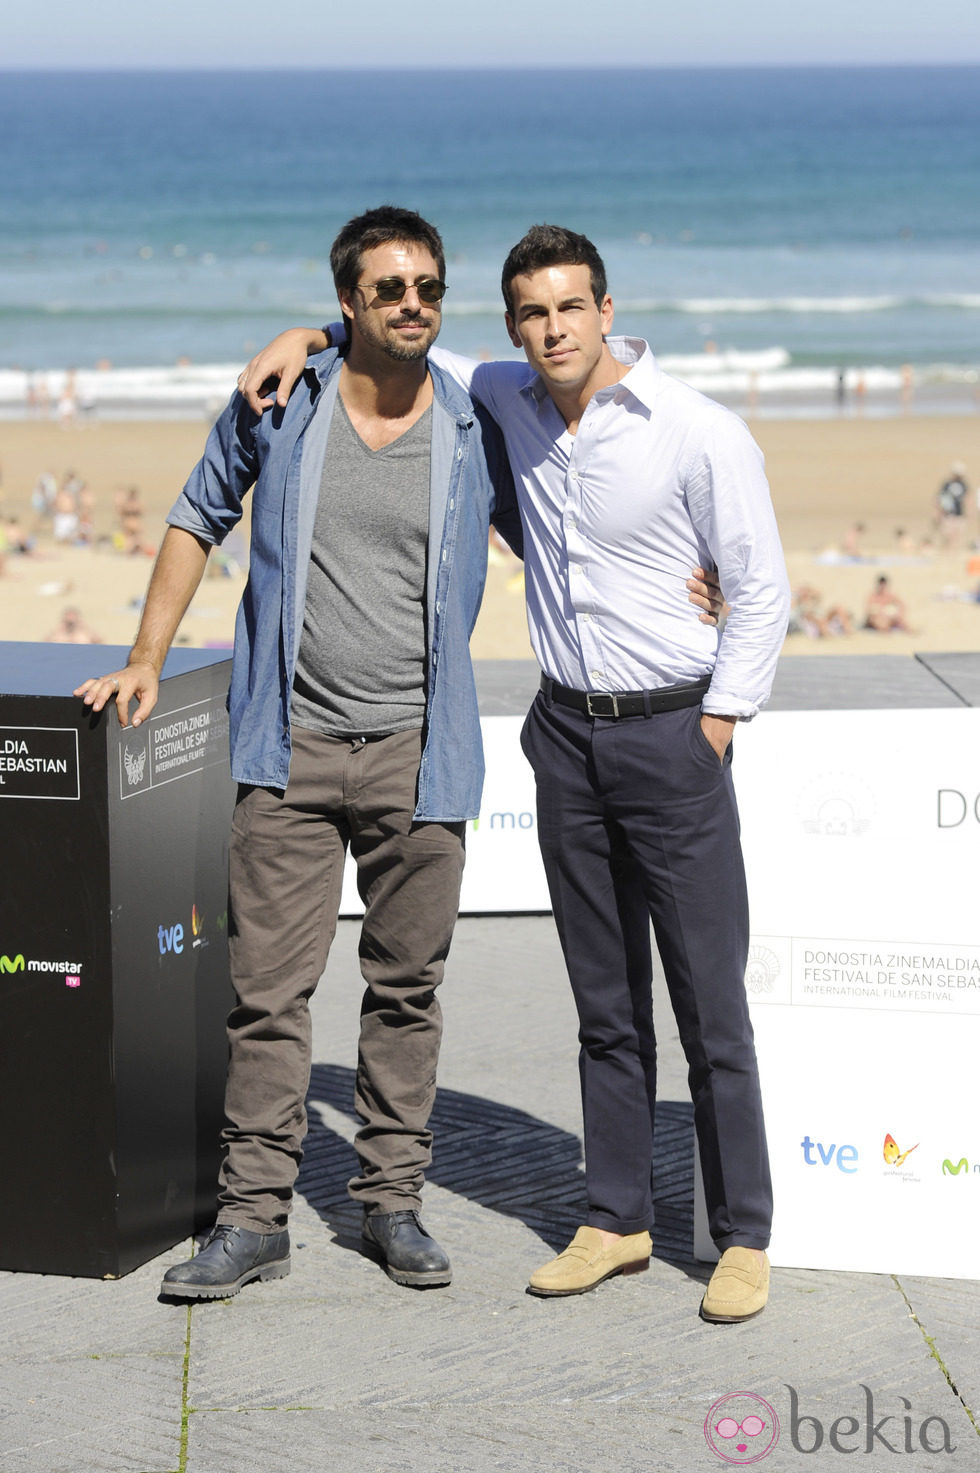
(210, 504)
(731, 508)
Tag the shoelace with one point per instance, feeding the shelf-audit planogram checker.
(220, 1234)
(407, 1215)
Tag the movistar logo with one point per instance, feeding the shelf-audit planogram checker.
(948, 1168)
(15, 964)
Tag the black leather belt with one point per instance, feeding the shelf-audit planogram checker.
(613, 704)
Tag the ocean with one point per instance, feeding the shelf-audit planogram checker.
(768, 229)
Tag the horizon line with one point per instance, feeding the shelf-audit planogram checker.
(470, 66)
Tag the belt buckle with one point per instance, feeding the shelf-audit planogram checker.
(613, 709)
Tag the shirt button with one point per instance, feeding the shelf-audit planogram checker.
(595, 674)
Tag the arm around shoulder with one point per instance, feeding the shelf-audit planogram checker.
(504, 513)
(487, 382)
(281, 361)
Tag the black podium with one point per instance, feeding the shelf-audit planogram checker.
(113, 960)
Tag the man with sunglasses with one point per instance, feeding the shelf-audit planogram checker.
(354, 722)
(625, 477)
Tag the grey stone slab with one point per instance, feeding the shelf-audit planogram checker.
(948, 1313)
(802, 683)
(91, 1373)
(506, 687)
(71, 1413)
(959, 672)
(634, 1427)
(857, 683)
(354, 1338)
(531, 1438)
(48, 1314)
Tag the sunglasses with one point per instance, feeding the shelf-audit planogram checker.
(393, 289)
(749, 1427)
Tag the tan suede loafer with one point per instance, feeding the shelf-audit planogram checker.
(738, 1288)
(586, 1262)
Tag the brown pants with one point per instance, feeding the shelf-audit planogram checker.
(286, 871)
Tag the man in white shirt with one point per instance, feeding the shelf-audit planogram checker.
(626, 478)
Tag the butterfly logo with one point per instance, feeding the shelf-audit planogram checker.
(893, 1156)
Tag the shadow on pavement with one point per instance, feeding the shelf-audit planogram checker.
(504, 1160)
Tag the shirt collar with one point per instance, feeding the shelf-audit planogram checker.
(642, 382)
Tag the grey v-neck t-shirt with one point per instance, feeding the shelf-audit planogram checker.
(362, 655)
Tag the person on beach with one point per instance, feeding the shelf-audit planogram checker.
(807, 617)
(72, 629)
(625, 477)
(884, 611)
(130, 513)
(353, 722)
(951, 503)
(43, 497)
(851, 542)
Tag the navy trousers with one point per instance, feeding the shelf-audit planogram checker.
(637, 821)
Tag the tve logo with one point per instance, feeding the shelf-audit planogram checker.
(170, 938)
(844, 1157)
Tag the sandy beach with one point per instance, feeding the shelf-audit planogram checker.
(826, 476)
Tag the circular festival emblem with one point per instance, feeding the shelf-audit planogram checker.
(762, 970)
(836, 805)
(741, 1428)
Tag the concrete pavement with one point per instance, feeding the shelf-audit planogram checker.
(336, 1367)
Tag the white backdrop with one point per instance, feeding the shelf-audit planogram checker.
(861, 832)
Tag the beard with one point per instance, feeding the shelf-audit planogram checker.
(384, 336)
(407, 352)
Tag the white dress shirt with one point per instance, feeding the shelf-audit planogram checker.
(657, 480)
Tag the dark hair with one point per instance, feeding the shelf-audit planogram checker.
(552, 245)
(378, 227)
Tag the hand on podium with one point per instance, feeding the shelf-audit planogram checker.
(140, 680)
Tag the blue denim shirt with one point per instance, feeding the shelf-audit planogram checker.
(281, 455)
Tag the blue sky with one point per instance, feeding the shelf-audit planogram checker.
(545, 34)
